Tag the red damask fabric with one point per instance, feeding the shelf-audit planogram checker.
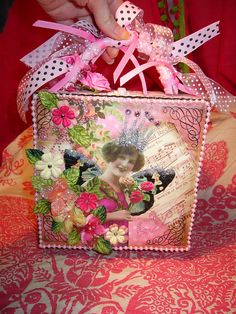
(202, 280)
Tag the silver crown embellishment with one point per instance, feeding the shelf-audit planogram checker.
(137, 134)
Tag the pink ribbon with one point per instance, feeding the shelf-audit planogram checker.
(153, 42)
(65, 29)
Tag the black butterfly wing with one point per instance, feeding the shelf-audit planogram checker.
(88, 168)
(160, 177)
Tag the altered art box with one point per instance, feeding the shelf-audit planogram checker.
(116, 172)
(115, 169)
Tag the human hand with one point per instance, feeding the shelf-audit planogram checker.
(119, 215)
(102, 11)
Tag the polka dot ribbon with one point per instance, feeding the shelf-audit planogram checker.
(73, 49)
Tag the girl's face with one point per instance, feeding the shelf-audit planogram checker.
(123, 164)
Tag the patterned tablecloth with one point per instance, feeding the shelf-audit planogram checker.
(34, 280)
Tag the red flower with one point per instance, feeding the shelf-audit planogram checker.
(136, 197)
(64, 115)
(147, 186)
(87, 202)
(92, 228)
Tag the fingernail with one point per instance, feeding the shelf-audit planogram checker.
(121, 33)
(110, 61)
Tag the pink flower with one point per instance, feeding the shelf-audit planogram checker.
(92, 229)
(63, 204)
(147, 186)
(64, 115)
(136, 197)
(96, 80)
(87, 202)
(55, 191)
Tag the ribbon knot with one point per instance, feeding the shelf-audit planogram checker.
(70, 54)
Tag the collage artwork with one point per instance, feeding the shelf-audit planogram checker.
(112, 173)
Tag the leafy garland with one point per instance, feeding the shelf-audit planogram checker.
(74, 210)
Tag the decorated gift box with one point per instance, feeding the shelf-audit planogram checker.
(117, 169)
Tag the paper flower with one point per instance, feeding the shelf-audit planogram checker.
(55, 191)
(62, 205)
(87, 201)
(92, 229)
(50, 165)
(136, 197)
(147, 186)
(116, 234)
(64, 115)
(96, 80)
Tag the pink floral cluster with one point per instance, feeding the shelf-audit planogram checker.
(87, 202)
(75, 211)
(136, 192)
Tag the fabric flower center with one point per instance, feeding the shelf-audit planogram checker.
(49, 166)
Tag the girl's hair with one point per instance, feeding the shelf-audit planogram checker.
(112, 150)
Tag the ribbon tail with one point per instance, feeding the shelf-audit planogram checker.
(141, 75)
(70, 76)
(126, 57)
(186, 45)
(65, 29)
(125, 78)
(35, 79)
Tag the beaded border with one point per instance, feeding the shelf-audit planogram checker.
(130, 99)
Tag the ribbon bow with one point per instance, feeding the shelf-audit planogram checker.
(68, 56)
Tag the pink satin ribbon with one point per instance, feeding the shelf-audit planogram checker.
(159, 55)
(65, 29)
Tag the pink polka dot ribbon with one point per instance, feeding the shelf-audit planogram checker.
(70, 53)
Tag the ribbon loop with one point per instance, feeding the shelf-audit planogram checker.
(69, 55)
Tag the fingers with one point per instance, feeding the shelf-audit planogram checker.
(107, 58)
(60, 10)
(128, 216)
(110, 54)
(105, 19)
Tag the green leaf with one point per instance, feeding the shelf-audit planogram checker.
(103, 246)
(113, 110)
(33, 155)
(93, 184)
(146, 197)
(73, 237)
(101, 213)
(48, 100)
(42, 207)
(76, 189)
(80, 136)
(40, 183)
(57, 226)
(71, 175)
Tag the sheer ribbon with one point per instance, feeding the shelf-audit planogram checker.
(69, 55)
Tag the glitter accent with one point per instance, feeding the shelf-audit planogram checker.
(136, 135)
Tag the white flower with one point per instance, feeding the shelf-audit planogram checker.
(50, 165)
(116, 234)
